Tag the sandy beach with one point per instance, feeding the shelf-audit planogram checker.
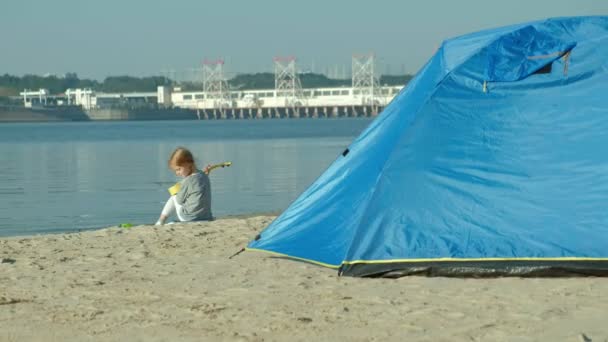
(176, 283)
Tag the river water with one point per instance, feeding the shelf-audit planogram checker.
(65, 177)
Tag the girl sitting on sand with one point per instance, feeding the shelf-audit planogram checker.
(192, 202)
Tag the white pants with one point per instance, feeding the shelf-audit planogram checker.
(173, 208)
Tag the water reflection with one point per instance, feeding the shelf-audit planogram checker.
(53, 185)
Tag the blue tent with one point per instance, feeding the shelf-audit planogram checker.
(492, 161)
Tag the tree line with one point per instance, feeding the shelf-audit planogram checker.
(12, 85)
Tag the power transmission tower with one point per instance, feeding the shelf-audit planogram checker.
(364, 80)
(194, 75)
(287, 83)
(215, 85)
(169, 74)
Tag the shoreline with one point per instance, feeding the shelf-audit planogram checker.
(84, 230)
(175, 282)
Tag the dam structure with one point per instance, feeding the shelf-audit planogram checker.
(288, 99)
(217, 101)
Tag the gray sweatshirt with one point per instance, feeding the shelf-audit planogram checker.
(195, 197)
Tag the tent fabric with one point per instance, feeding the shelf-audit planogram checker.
(482, 166)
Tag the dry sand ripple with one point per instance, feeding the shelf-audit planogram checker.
(176, 282)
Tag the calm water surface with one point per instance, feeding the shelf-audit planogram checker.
(61, 177)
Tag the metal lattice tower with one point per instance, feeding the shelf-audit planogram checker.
(215, 84)
(286, 81)
(194, 75)
(364, 79)
(169, 74)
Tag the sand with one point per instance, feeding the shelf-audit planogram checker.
(176, 283)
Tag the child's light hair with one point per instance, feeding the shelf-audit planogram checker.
(182, 157)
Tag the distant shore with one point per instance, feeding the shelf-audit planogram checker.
(10, 114)
(176, 282)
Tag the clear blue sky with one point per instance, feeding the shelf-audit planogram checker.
(135, 37)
